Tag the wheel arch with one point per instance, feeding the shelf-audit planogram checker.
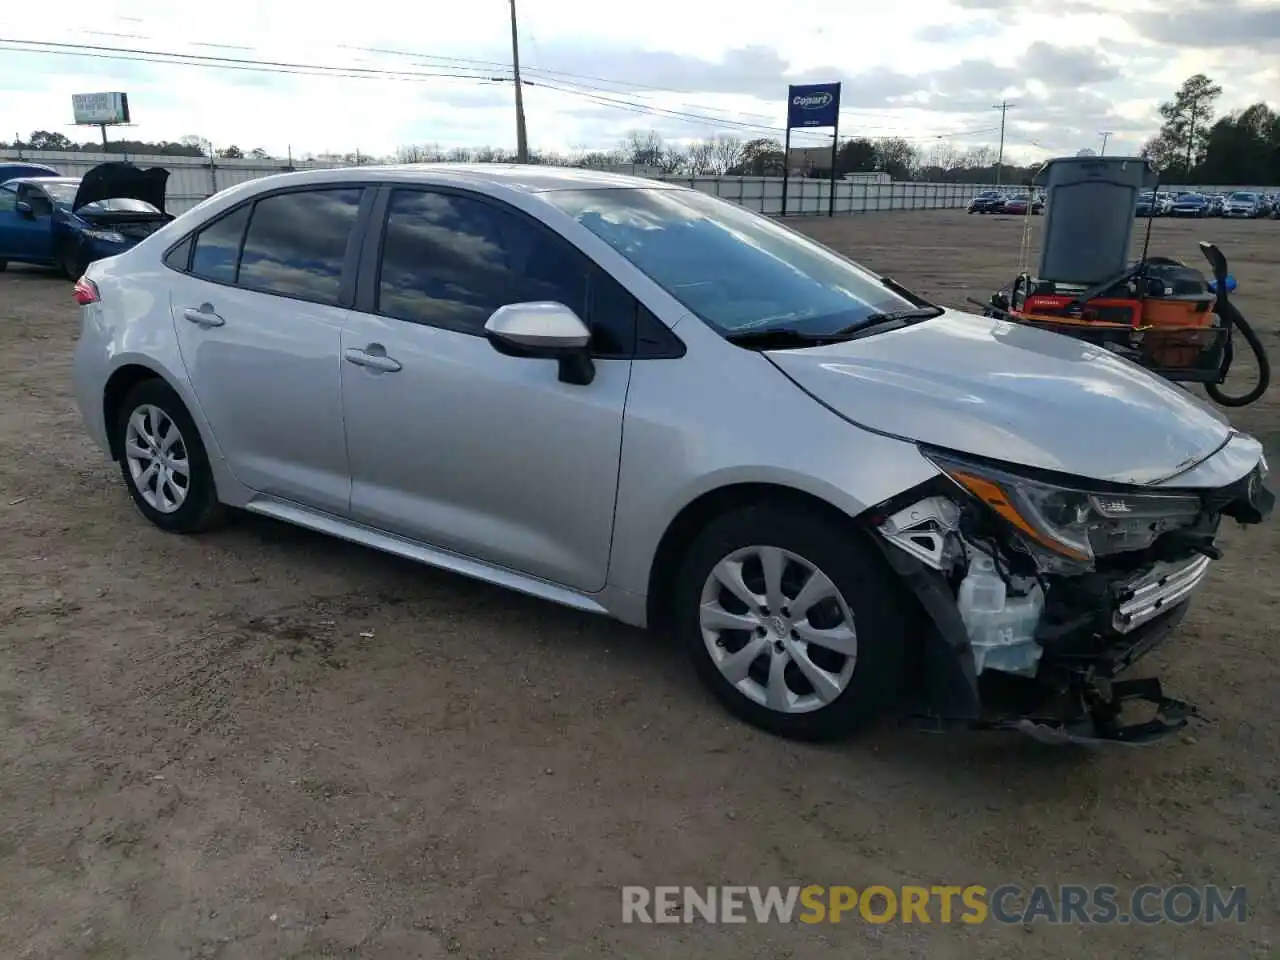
(118, 386)
(706, 507)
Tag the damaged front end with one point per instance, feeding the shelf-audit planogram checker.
(1043, 589)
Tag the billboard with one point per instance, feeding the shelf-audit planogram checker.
(813, 105)
(100, 109)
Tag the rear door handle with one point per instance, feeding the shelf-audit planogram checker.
(203, 316)
(374, 361)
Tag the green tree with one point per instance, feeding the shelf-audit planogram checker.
(1183, 138)
(761, 157)
(856, 156)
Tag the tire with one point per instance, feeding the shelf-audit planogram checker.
(4, 265)
(71, 263)
(885, 623)
(169, 506)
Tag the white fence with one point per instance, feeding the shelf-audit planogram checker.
(192, 179)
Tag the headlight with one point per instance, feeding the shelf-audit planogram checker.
(107, 236)
(1069, 527)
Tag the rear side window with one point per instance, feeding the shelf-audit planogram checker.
(296, 244)
(218, 247)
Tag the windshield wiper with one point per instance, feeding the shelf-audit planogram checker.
(780, 337)
(892, 316)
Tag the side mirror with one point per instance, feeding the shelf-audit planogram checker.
(544, 330)
(24, 209)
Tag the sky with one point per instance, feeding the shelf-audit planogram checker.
(439, 73)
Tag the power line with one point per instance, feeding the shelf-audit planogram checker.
(463, 63)
(604, 98)
(225, 63)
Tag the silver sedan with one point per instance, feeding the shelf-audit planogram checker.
(638, 400)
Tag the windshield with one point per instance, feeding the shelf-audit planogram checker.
(736, 270)
(61, 193)
(1245, 197)
(119, 205)
(64, 194)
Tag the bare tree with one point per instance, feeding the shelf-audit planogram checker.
(672, 160)
(644, 147)
(726, 152)
(418, 153)
(701, 157)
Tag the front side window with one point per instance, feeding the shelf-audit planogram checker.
(8, 198)
(737, 270)
(451, 261)
(296, 243)
(39, 201)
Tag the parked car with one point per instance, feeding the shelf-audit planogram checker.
(1148, 205)
(988, 201)
(1190, 205)
(1216, 204)
(69, 223)
(1244, 204)
(11, 170)
(635, 399)
(1018, 203)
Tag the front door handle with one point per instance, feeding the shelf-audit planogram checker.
(203, 316)
(374, 357)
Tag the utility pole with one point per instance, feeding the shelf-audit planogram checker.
(522, 142)
(1105, 135)
(1004, 106)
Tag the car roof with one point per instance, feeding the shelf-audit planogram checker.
(39, 180)
(524, 178)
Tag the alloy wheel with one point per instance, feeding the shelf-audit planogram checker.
(156, 455)
(778, 629)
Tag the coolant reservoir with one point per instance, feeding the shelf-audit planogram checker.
(1090, 203)
(1001, 627)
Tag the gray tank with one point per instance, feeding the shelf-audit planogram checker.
(1090, 203)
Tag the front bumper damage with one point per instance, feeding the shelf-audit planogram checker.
(1051, 666)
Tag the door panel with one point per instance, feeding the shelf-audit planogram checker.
(264, 362)
(22, 239)
(267, 380)
(455, 444)
(483, 454)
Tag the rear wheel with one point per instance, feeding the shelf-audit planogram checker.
(164, 462)
(792, 623)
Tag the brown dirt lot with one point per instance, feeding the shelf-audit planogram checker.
(263, 743)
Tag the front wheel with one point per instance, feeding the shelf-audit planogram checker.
(793, 623)
(71, 262)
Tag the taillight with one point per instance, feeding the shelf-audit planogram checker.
(86, 292)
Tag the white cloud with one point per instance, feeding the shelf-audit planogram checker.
(929, 71)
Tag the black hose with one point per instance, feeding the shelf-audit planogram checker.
(1229, 314)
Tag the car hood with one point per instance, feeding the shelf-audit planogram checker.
(114, 181)
(1002, 390)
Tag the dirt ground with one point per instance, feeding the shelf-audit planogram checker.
(263, 744)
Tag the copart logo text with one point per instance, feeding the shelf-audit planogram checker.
(812, 101)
